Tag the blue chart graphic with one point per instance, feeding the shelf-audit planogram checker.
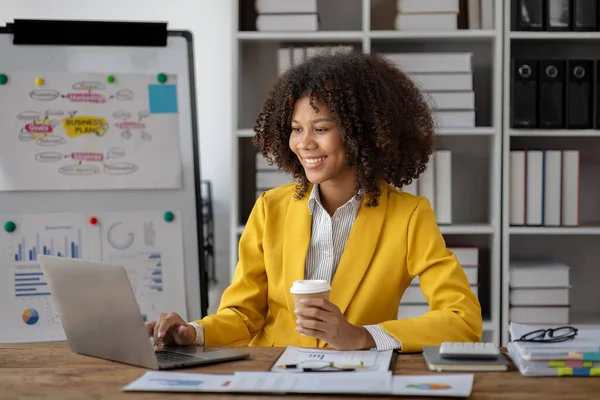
(316, 356)
(156, 276)
(177, 382)
(65, 247)
(30, 316)
(29, 284)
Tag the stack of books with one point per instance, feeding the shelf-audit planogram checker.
(544, 187)
(286, 15)
(436, 184)
(539, 301)
(413, 303)
(427, 15)
(447, 81)
(579, 356)
(444, 15)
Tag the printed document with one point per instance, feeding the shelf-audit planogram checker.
(362, 360)
(368, 383)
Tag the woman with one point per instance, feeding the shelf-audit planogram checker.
(351, 128)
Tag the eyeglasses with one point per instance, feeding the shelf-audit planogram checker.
(554, 335)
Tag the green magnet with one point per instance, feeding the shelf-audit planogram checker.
(110, 79)
(3, 79)
(169, 216)
(10, 226)
(162, 78)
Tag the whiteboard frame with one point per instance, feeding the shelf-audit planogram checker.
(187, 200)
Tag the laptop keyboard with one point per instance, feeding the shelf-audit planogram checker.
(167, 356)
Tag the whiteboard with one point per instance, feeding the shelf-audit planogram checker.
(107, 201)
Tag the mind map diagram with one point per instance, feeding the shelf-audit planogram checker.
(122, 134)
(44, 128)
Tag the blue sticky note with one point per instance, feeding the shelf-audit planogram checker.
(163, 99)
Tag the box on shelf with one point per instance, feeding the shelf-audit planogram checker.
(443, 15)
(286, 15)
(539, 292)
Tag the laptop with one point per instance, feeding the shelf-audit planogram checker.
(101, 317)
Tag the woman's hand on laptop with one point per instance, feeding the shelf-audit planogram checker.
(171, 329)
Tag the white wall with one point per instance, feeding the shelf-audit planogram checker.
(211, 22)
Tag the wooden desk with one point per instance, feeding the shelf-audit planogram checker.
(52, 371)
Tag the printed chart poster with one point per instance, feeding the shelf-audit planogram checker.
(86, 132)
(28, 313)
(151, 250)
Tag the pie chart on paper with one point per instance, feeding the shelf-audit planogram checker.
(31, 316)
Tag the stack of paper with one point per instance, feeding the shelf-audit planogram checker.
(286, 15)
(579, 356)
(361, 360)
(539, 301)
(427, 15)
(446, 78)
(370, 383)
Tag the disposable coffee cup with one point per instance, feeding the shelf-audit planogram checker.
(309, 289)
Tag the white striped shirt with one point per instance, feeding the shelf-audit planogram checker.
(329, 235)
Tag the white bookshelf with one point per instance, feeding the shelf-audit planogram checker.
(476, 152)
(578, 247)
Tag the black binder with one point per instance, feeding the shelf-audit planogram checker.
(597, 87)
(580, 92)
(558, 15)
(530, 15)
(585, 15)
(551, 114)
(524, 94)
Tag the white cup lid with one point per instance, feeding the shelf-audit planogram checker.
(310, 286)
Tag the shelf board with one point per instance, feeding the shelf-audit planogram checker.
(526, 35)
(456, 35)
(554, 133)
(478, 131)
(466, 229)
(320, 36)
(247, 133)
(551, 230)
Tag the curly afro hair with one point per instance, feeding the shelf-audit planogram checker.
(385, 120)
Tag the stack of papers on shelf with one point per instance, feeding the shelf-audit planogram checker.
(286, 15)
(579, 356)
(351, 383)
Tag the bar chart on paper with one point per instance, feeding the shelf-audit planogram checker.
(60, 236)
(57, 243)
(27, 303)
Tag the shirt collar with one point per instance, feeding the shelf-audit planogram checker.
(314, 199)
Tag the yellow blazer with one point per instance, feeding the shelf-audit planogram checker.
(389, 245)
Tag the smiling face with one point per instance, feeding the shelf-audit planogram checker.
(317, 142)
